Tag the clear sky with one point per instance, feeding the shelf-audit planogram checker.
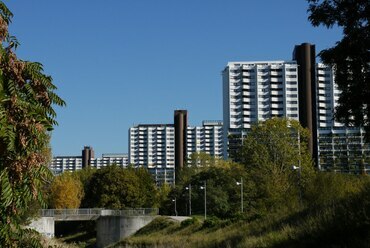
(123, 62)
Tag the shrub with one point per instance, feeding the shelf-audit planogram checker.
(211, 222)
(188, 222)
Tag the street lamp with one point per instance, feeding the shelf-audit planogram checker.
(298, 168)
(241, 193)
(205, 198)
(189, 188)
(174, 200)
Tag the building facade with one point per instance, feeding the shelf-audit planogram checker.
(302, 90)
(340, 148)
(161, 148)
(118, 159)
(207, 138)
(153, 146)
(60, 164)
(253, 92)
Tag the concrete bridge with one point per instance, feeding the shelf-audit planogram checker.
(111, 225)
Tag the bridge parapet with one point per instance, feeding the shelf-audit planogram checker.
(72, 214)
(130, 212)
(94, 213)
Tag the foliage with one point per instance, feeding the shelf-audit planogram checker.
(27, 97)
(327, 188)
(269, 151)
(117, 188)
(147, 187)
(191, 221)
(163, 195)
(200, 161)
(84, 176)
(66, 192)
(211, 222)
(342, 224)
(157, 224)
(223, 194)
(350, 56)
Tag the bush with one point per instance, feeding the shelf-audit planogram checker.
(188, 222)
(211, 222)
(156, 225)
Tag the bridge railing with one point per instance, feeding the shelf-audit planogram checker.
(96, 212)
(71, 212)
(130, 212)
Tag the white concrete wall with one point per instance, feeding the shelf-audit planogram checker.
(111, 229)
(44, 225)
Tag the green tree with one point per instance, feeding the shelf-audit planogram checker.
(27, 97)
(66, 192)
(223, 194)
(269, 151)
(147, 188)
(119, 188)
(84, 176)
(350, 56)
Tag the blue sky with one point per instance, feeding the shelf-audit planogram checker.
(123, 62)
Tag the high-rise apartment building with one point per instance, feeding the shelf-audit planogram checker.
(208, 139)
(256, 91)
(165, 148)
(340, 148)
(300, 89)
(108, 159)
(60, 164)
(153, 146)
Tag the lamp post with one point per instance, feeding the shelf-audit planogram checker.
(205, 198)
(189, 188)
(174, 200)
(241, 193)
(298, 168)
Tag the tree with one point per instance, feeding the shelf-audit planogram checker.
(118, 188)
(223, 194)
(27, 116)
(268, 153)
(84, 176)
(147, 186)
(350, 56)
(66, 192)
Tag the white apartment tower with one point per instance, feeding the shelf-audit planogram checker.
(302, 90)
(340, 148)
(153, 146)
(256, 91)
(108, 159)
(208, 139)
(60, 164)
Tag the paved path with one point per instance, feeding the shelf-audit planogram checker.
(180, 218)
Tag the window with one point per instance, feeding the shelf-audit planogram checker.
(292, 95)
(292, 89)
(292, 109)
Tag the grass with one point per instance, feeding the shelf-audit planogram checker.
(81, 239)
(345, 223)
(79, 233)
